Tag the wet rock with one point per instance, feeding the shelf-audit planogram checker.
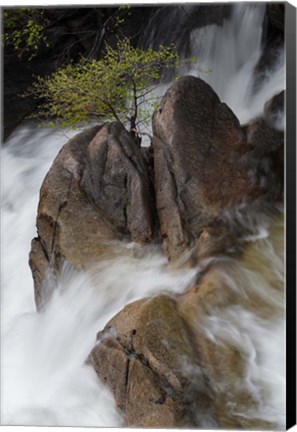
(44, 276)
(274, 111)
(270, 59)
(213, 310)
(200, 161)
(148, 363)
(267, 157)
(68, 225)
(180, 360)
(217, 241)
(95, 193)
(174, 24)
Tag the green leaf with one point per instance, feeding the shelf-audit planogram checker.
(116, 86)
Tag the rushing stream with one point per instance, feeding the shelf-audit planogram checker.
(44, 380)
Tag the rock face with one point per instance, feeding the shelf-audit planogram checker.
(116, 179)
(202, 163)
(268, 61)
(267, 157)
(173, 25)
(146, 357)
(83, 209)
(274, 110)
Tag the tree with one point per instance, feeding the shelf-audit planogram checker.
(24, 30)
(118, 86)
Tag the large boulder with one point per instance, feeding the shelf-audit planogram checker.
(146, 357)
(96, 191)
(203, 163)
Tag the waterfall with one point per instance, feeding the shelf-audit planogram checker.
(227, 56)
(44, 379)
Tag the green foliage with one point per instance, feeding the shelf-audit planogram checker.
(24, 30)
(114, 87)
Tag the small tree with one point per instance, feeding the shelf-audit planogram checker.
(117, 86)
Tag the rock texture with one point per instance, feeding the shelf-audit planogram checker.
(174, 24)
(274, 110)
(203, 163)
(146, 357)
(267, 157)
(116, 180)
(82, 209)
(167, 368)
(268, 61)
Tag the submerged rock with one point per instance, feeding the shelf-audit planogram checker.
(185, 360)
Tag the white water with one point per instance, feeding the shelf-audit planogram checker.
(43, 377)
(227, 56)
(255, 324)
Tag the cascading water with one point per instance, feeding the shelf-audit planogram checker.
(44, 379)
(43, 376)
(227, 56)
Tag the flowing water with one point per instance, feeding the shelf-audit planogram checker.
(44, 380)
